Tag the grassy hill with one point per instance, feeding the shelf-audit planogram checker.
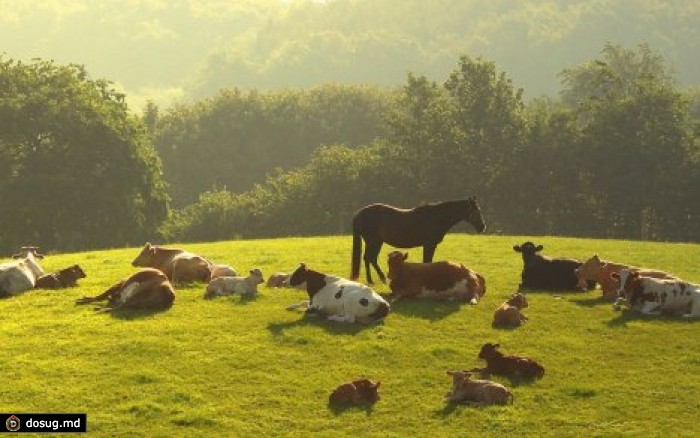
(233, 367)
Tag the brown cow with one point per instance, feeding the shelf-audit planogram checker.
(476, 392)
(148, 289)
(601, 271)
(440, 280)
(177, 264)
(67, 277)
(361, 391)
(509, 313)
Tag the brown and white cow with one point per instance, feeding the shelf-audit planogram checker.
(600, 271)
(439, 280)
(148, 289)
(177, 264)
(653, 296)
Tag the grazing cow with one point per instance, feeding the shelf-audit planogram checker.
(222, 271)
(540, 272)
(336, 298)
(21, 274)
(245, 286)
(476, 392)
(510, 366)
(67, 277)
(177, 264)
(600, 271)
(148, 289)
(438, 280)
(509, 313)
(653, 296)
(357, 392)
(277, 280)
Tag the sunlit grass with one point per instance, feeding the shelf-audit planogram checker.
(233, 367)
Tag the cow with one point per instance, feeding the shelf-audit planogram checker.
(357, 392)
(218, 270)
(509, 314)
(540, 272)
(277, 279)
(476, 392)
(245, 286)
(177, 264)
(148, 289)
(438, 280)
(67, 277)
(336, 298)
(21, 274)
(595, 269)
(509, 366)
(653, 296)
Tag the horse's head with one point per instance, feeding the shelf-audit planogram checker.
(473, 214)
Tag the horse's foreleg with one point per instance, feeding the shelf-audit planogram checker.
(428, 253)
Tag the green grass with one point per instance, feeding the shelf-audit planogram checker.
(233, 367)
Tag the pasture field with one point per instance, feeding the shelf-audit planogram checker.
(248, 367)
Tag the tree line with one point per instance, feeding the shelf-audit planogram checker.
(616, 155)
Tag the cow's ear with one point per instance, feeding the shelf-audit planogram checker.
(596, 258)
(539, 248)
(405, 255)
(148, 245)
(376, 385)
(517, 248)
(302, 266)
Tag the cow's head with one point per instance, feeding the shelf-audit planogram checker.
(624, 280)
(367, 391)
(75, 271)
(589, 270)
(257, 275)
(298, 278)
(528, 250)
(306, 279)
(518, 300)
(145, 256)
(28, 251)
(458, 378)
(489, 350)
(395, 260)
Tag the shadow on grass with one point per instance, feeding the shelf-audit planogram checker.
(591, 301)
(278, 328)
(627, 315)
(130, 315)
(339, 408)
(432, 310)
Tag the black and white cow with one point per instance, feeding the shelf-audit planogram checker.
(541, 272)
(21, 274)
(653, 296)
(336, 298)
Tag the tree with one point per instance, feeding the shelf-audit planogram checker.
(78, 171)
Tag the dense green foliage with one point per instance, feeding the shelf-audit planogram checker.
(235, 367)
(76, 169)
(616, 157)
(232, 141)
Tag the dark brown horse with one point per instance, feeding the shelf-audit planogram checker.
(424, 226)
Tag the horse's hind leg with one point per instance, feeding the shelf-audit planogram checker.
(372, 250)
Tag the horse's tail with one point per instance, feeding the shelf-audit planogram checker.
(356, 250)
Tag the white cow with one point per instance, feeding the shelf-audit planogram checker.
(21, 274)
(338, 299)
(653, 296)
(227, 285)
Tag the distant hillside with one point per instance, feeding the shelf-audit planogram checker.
(186, 49)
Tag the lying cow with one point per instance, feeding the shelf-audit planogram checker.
(222, 271)
(277, 279)
(357, 392)
(509, 314)
(653, 296)
(177, 264)
(540, 272)
(336, 298)
(245, 286)
(438, 280)
(476, 392)
(510, 366)
(148, 289)
(600, 271)
(21, 274)
(64, 278)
